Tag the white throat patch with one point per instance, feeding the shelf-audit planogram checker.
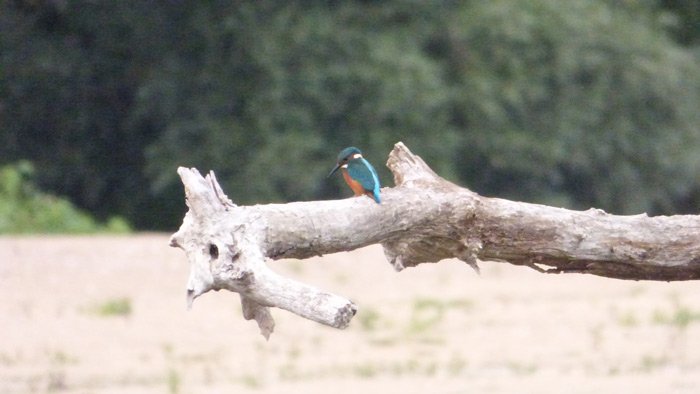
(356, 156)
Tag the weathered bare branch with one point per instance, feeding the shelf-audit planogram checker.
(423, 219)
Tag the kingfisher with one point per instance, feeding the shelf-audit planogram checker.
(358, 173)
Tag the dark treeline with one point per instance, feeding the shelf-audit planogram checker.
(570, 103)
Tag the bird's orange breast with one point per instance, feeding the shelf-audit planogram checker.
(356, 186)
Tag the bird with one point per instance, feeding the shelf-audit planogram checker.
(358, 173)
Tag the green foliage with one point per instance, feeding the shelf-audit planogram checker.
(369, 319)
(25, 209)
(576, 103)
(114, 307)
(173, 381)
(427, 313)
(311, 81)
(684, 20)
(681, 316)
(571, 103)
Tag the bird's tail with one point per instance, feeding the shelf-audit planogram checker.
(376, 197)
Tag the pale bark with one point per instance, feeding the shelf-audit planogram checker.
(423, 219)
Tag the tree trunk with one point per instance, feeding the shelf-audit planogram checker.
(423, 219)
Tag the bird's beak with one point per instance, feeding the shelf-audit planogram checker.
(333, 170)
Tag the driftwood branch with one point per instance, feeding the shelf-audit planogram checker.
(423, 219)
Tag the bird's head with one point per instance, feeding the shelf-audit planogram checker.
(345, 156)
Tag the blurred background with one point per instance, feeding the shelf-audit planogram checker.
(569, 103)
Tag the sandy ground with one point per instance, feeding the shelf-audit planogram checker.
(433, 329)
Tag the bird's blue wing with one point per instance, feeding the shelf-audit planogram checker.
(362, 171)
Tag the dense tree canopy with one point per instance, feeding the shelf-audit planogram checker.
(570, 103)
